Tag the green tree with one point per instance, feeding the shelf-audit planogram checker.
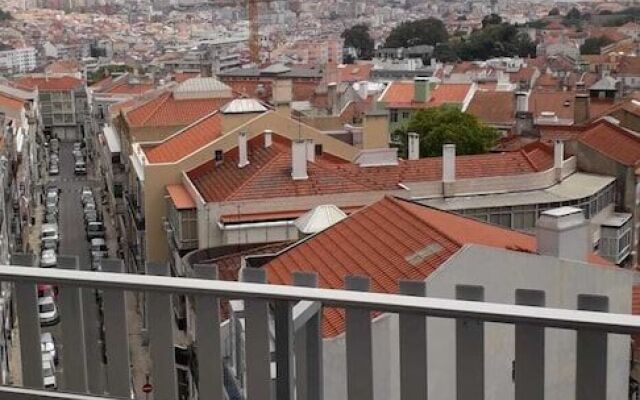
(447, 124)
(554, 11)
(503, 40)
(5, 15)
(358, 37)
(491, 19)
(429, 31)
(445, 52)
(573, 18)
(594, 45)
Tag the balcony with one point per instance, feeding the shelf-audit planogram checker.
(135, 212)
(282, 353)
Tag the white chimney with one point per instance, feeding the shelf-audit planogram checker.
(522, 102)
(448, 169)
(414, 146)
(558, 158)
(449, 163)
(311, 151)
(564, 233)
(299, 160)
(243, 159)
(268, 138)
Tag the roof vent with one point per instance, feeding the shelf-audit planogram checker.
(419, 256)
(319, 219)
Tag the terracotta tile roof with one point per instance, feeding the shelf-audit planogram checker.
(388, 241)
(269, 173)
(188, 140)
(493, 107)
(165, 110)
(635, 305)
(64, 83)
(180, 197)
(613, 141)
(10, 102)
(523, 74)
(401, 95)
(184, 76)
(130, 88)
(355, 72)
(629, 66)
(63, 66)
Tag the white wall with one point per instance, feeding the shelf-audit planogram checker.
(500, 272)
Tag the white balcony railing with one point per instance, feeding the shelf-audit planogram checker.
(79, 315)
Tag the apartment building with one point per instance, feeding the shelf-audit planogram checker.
(403, 98)
(63, 104)
(18, 61)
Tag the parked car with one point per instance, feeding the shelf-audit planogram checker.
(52, 197)
(50, 217)
(49, 236)
(77, 146)
(55, 145)
(49, 372)
(48, 311)
(53, 168)
(48, 346)
(45, 290)
(95, 230)
(87, 194)
(48, 258)
(80, 167)
(99, 247)
(91, 216)
(96, 262)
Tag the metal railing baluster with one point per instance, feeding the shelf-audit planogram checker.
(591, 354)
(161, 344)
(208, 344)
(73, 346)
(358, 345)
(116, 335)
(529, 351)
(469, 349)
(413, 347)
(257, 352)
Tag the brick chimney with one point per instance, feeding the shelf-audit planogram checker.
(581, 104)
(299, 160)
(564, 233)
(268, 138)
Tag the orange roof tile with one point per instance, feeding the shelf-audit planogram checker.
(388, 241)
(64, 83)
(186, 141)
(165, 110)
(269, 173)
(10, 102)
(180, 197)
(493, 107)
(613, 141)
(130, 88)
(401, 95)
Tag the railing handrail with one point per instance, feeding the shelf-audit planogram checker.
(428, 306)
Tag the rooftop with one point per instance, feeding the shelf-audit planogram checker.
(483, 106)
(401, 95)
(613, 141)
(388, 241)
(185, 142)
(54, 83)
(269, 173)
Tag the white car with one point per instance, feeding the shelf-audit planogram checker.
(49, 372)
(48, 346)
(48, 258)
(47, 311)
(49, 236)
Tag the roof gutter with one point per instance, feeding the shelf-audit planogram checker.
(249, 225)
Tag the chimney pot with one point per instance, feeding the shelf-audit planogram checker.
(414, 146)
(243, 158)
(448, 169)
(558, 158)
(420, 89)
(299, 160)
(564, 233)
(268, 138)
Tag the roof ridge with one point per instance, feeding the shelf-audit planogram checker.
(526, 157)
(398, 201)
(253, 175)
(162, 102)
(187, 128)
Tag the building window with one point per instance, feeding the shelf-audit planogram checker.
(405, 115)
(394, 115)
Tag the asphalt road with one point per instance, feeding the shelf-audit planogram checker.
(71, 225)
